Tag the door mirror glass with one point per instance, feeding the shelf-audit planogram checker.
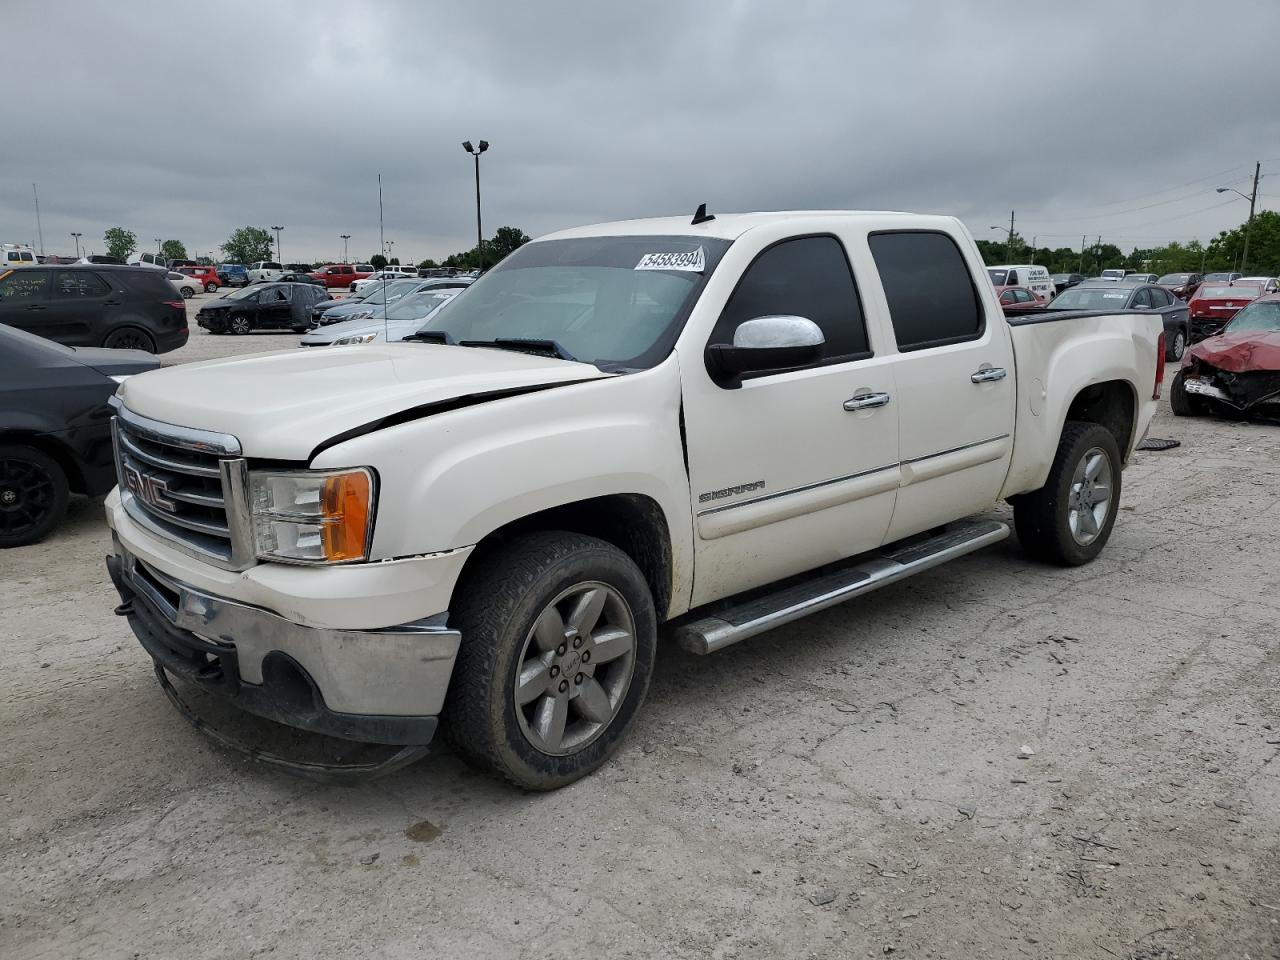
(766, 343)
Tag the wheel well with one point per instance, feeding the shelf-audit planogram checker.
(64, 458)
(631, 522)
(1110, 404)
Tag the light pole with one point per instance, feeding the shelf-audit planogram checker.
(386, 250)
(1008, 249)
(157, 246)
(279, 258)
(344, 237)
(475, 152)
(1253, 199)
(77, 236)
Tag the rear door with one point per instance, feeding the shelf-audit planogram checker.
(276, 306)
(954, 372)
(24, 300)
(798, 468)
(80, 308)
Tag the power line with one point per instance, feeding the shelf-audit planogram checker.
(1189, 183)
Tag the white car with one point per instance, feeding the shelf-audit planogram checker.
(185, 285)
(1268, 284)
(357, 286)
(149, 260)
(264, 270)
(404, 317)
(722, 424)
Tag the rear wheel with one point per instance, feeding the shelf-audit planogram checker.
(210, 288)
(239, 325)
(1178, 345)
(33, 495)
(1068, 521)
(559, 634)
(130, 338)
(188, 293)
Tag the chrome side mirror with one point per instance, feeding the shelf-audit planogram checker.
(765, 344)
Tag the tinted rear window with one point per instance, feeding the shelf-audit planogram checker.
(932, 299)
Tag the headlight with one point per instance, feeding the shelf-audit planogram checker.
(361, 338)
(364, 314)
(310, 516)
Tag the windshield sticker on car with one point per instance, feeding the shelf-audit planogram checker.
(693, 261)
(1113, 296)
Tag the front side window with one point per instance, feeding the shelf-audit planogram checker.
(618, 301)
(806, 277)
(1009, 296)
(24, 286)
(931, 296)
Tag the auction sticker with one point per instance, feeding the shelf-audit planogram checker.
(693, 261)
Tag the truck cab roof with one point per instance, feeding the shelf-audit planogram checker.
(730, 226)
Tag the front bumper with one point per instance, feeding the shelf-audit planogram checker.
(379, 686)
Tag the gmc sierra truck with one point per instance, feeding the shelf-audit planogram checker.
(720, 425)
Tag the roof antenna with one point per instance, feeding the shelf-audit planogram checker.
(701, 216)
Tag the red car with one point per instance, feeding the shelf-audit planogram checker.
(1018, 299)
(339, 275)
(208, 276)
(1236, 371)
(1216, 303)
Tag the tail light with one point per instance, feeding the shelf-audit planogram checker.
(176, 304)
(1155, 390)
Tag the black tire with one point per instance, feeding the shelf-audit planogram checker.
(210, 288)
(1182, 403)
(33, 495)
(1178, 345)
(129, 338)
(1042, 518)
(496, 610)
(239, 324)
(188, 293)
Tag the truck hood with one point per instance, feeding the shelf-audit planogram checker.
(284, 405)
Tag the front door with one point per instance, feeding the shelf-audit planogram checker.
(955, 379)
(24, 300)
(795, 469)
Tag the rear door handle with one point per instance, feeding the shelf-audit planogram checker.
(865, 401)
(36, 306)
(989, 374)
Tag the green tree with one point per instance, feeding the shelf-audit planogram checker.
(427, 264)
(247, 245)
(173, 250)
(506, 240)
(1226, 250)
(120, 242)
(378, 261)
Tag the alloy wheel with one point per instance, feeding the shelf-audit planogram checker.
(26, 496)
(575, 668)
(1089, 500)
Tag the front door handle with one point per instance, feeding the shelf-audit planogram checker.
(36, 306)
(989, 374)
(865, 401)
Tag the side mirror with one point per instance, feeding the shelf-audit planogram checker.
(765, 343)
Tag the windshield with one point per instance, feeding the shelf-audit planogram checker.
(1113, 274)
(1220, 277)
(417, 306)
(997, 277)
(1226, 292)
(1262, 316)
(381, 293)
(604, 300)
(1092, 298)
(1174, 278)
(244, 293)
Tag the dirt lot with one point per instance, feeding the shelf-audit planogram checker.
(849, 786)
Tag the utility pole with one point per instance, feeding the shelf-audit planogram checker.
(1253, 199)
(1008, 251)
(1097, 253)
(1083, 240)
(279, 258)
(40, 228)
(1034, 238)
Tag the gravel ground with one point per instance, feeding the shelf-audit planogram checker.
(853, 785)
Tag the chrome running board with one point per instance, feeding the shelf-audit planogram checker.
(749, 618)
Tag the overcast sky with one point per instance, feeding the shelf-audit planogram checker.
(186, 121)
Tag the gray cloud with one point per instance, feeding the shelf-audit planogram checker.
(186, 126)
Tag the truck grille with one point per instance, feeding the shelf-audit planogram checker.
(186, 486)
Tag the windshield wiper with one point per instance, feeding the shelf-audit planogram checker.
(429, 336)
(529, 345)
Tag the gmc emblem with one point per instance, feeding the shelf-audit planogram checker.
(148, 488)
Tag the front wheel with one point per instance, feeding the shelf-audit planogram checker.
(188, 293)
(1182, 403)
(33, 495)
(239, 325)
(559, 635)
(1068, 521)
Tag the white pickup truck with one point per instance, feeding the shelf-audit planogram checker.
(720, 425)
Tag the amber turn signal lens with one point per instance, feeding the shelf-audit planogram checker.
(345, 501)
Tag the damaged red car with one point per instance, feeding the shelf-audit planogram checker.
(1236, 371)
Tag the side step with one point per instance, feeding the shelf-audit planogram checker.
(762, 613)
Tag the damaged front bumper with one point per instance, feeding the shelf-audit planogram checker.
(1241, 391)
(336, 682)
